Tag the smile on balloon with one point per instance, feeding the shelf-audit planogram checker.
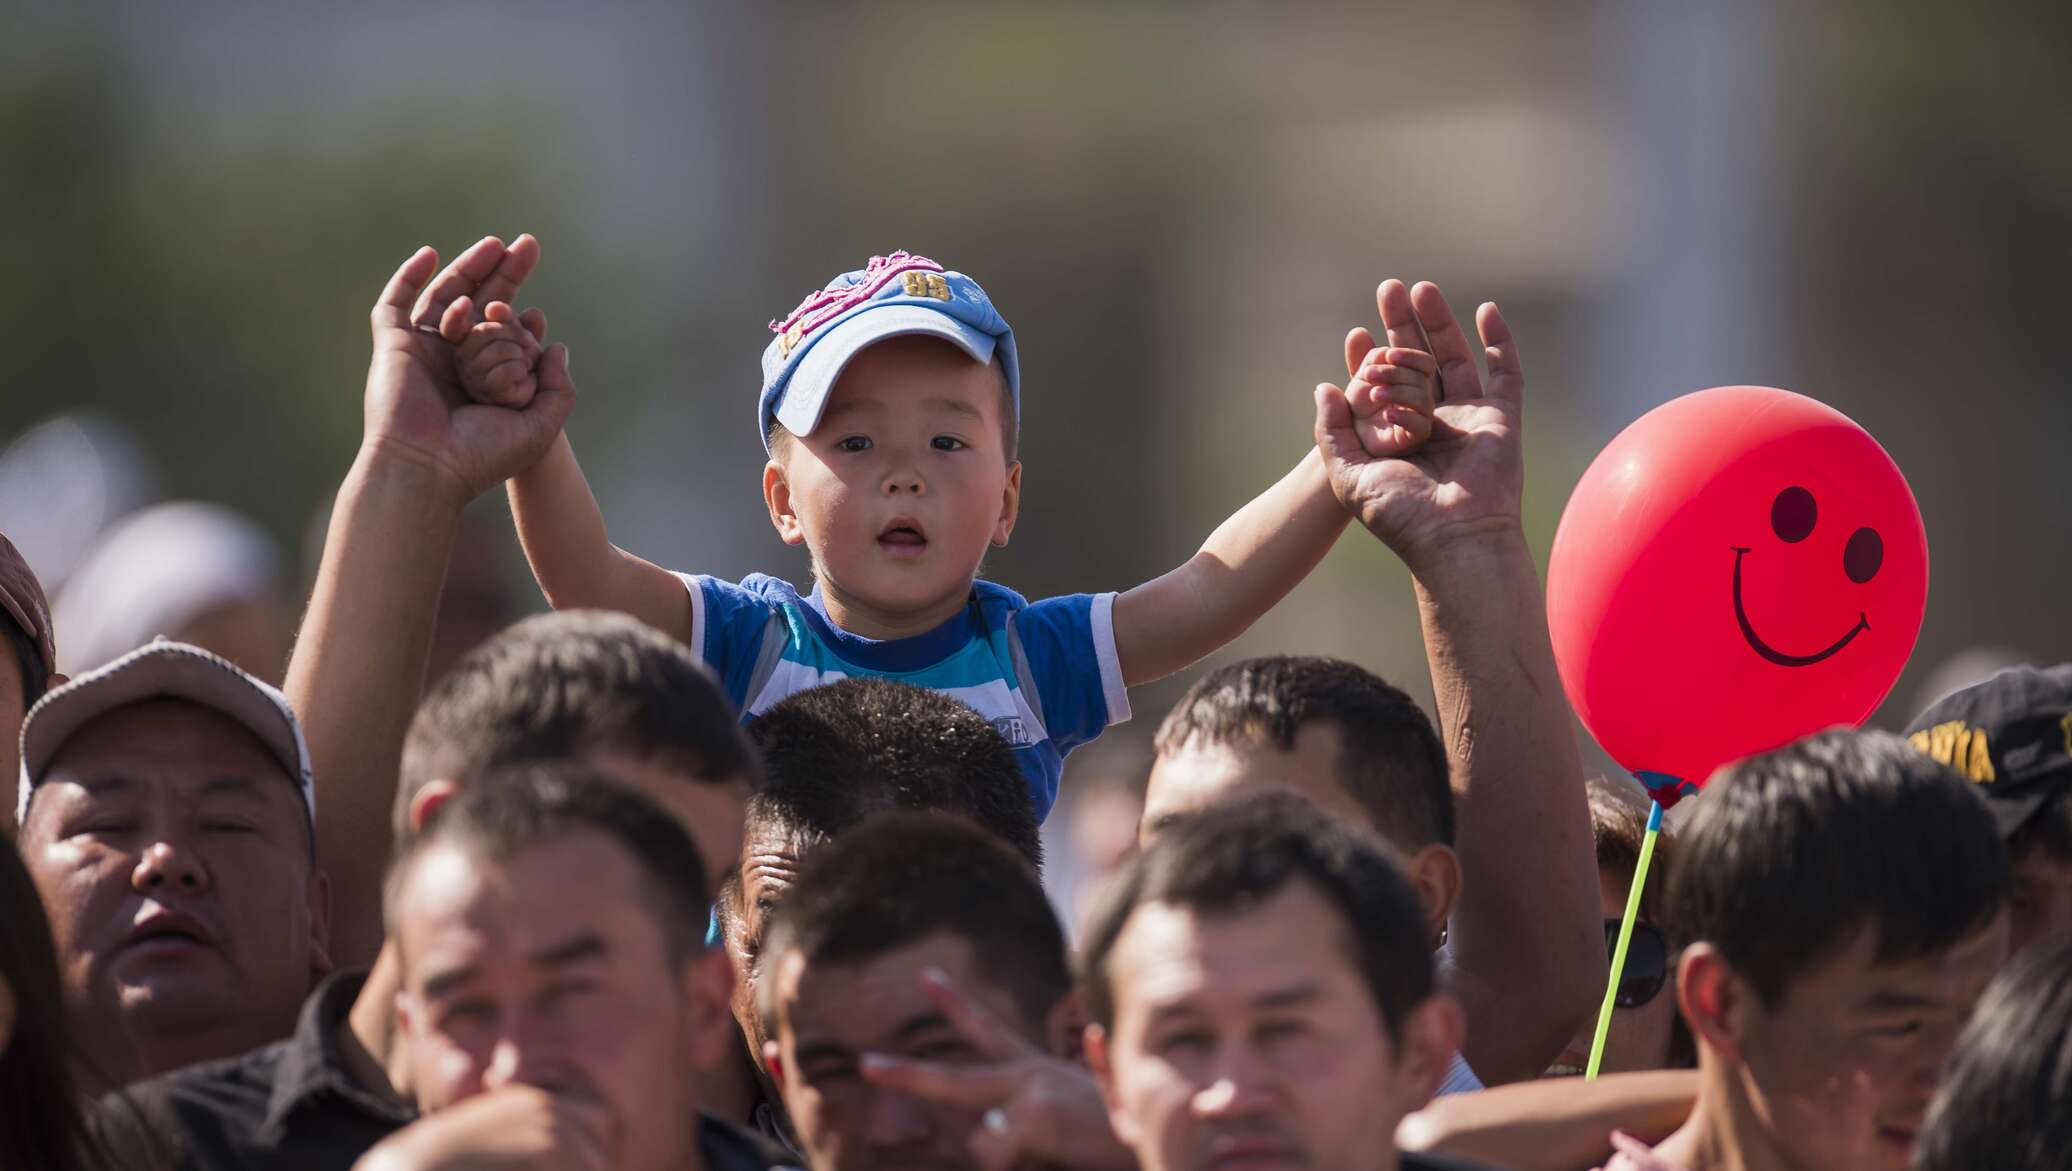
(1774, 655)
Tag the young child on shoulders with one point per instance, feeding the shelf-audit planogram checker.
(890, 410)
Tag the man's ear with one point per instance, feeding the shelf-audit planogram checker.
(777, 498)
(1431, 1036)
(1435, 872)
(1095, 1043)
(773, 1064)
(319, 896)
(708, 991)
(1010, 505)
(1065, 1028)
(429, 797)
(1714, 999)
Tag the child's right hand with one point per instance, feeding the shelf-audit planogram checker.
(1390, 392)
(497, 358)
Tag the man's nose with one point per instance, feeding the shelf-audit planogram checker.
(1239, 1086)
(507, 1064)
(170, 862)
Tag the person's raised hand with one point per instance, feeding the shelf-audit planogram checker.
(1464, 480)
(1035, 1109)
(512, 1128)
(416, 408)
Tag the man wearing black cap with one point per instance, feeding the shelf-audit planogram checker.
(2011, 737)
(165, 810)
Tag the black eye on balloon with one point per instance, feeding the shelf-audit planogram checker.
(1793, 515)
(1864, 555)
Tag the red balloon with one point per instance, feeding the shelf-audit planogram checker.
(1739, 568)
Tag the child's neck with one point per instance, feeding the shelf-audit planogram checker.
(1725, 1133)
(867, 621)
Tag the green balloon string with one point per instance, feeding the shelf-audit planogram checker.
(1611, 990)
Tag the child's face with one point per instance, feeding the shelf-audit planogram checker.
(904, 484)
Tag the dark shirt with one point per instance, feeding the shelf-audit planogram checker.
(288, 1105)
(293, 1106)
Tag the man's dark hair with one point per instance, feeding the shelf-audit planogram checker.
(2002, 1102)
(1390, 761)
(901, 877)
(559, 686)
(1227, 859)
(1793, 853)
(837, 754)
(508, 812)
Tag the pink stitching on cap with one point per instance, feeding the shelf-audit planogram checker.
(831, 302)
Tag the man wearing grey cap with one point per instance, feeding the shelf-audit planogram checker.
(165, 811)
(28, 656)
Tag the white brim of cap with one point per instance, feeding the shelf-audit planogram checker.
(163, 670)
(811, 383)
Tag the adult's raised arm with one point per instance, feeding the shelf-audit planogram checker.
(1525, 938)
(360, 655)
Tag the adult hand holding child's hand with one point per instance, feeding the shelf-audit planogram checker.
(1421, 463)
(416, 406)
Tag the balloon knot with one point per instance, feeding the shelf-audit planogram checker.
(1665, 789)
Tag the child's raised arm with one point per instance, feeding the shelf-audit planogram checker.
(1253, 559)
(577, 566)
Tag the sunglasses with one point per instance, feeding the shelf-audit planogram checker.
(1647, 963)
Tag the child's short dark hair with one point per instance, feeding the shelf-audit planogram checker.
(837, 754)
(508, 812)
(1391, 764)
(902, 877)
(556, 686)
(2004, 1094)
(1793, 853)
(1227, 858)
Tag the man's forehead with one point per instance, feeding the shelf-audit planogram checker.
(1168, 954)
(877, 1000)
(1853, 975)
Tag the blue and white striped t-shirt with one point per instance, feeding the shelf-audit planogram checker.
(1046, 675)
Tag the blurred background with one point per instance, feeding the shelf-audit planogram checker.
(1181, 207)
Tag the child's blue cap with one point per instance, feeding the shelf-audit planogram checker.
(891, 296)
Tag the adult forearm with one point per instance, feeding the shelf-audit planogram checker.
(1245, 567)
(1563, 1124)
(359, 664)
(1525, 931)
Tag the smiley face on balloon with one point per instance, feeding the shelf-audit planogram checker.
(1740, 567)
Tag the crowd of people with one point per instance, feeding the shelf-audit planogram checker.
(691, 873)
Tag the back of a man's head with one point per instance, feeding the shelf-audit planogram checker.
(574, 685)
(1390, 762)
(899, 878)
(1795, 854)
(835, 755)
